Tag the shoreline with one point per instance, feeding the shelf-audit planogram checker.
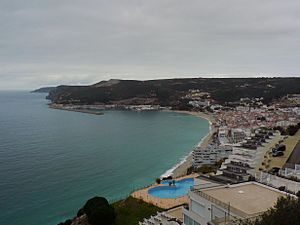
(180, 169)
(80, 110)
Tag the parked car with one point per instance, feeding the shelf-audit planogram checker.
(274, 170)
(277, 153)
(279, 148)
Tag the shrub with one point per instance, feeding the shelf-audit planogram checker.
(189, 170)
(285, 212)
(167, 178)
(251, 178)
(101, 215)
(206, 169)
(99, 211)
(281, 188)
(80, 212)
(292, 130)
(67, 222)
(158, 180)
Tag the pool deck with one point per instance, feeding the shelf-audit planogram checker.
(164, 203)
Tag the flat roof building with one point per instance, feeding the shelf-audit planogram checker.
(229, 203)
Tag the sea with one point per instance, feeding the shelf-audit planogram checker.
(52, 161)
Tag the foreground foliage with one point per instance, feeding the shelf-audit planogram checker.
(131, 210)
(97, 211)
(285, 212)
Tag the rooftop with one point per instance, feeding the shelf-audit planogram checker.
(251, 198)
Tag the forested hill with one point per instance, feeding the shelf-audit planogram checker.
(43, 90)
(171, 92)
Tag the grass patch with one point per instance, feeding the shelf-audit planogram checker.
(131, 210)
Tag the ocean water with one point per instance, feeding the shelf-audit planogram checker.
(52, 161)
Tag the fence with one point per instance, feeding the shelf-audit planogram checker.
(276, 181)
(288, 172)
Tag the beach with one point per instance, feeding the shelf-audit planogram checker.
(180, 169)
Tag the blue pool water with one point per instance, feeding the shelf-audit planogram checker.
(181, 188)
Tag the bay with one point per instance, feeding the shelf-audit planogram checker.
(52, 161)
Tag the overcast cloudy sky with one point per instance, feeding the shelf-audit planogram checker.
(51, 42)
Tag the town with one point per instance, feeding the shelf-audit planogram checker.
(252, 159)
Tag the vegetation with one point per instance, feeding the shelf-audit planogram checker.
(158, 180)
(98, 211)
(167, 178)
(43, 90)
(290, 130)
(67, 222)
(206, 168)
(170, 92)
(131, 210)
(203, 169)
(125, 212)
(285, 212)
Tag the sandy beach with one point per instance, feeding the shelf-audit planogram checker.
(181, 168)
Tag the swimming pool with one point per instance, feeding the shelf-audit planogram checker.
(181, 188)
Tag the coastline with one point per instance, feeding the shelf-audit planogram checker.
(80, 110)
(180, 169)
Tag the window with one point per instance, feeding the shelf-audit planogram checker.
(198, 208)
(189, 221)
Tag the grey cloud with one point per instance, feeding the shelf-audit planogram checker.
(73, 41)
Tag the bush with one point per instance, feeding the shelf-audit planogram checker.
(292, 130)
(67, 222)
(99, 211)
(206, 169)
(190, 170)
(167, 178)
(251, 178)
(281, 188)
(102, 216)
(285, 212)
(80, 212)
(158, 180)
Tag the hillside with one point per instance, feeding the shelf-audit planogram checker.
(43, 90)
(172, 92)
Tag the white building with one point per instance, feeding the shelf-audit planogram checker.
(223, 135)
(245, 155)
(199, 103)
(210, 155)
(229, 203)
(238, 135)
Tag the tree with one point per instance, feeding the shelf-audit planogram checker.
(102, 216)
(67, 222)
(158, 180)
(292, 130)
(280, 129)
(98, 211)
(285, 212)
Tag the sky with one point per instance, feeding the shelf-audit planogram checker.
(52, 42)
